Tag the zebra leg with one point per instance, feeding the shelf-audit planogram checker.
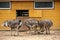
(42, 29)
(30, 30)
(11, 31)
(47, 30)
(35, 30)
(17, 30)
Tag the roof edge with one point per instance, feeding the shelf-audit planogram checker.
(24, 0)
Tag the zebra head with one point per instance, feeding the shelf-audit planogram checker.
(5, 23)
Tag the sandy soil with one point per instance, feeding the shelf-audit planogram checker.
(6, 35)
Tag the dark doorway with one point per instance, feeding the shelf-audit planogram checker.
(22, 15)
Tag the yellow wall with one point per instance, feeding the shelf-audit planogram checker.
(6, 15)
(54, 14)
(26, 6)
(39, 14)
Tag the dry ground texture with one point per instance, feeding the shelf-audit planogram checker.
(5, 35)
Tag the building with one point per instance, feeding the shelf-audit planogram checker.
(23, 9)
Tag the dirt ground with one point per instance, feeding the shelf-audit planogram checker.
(6, 35)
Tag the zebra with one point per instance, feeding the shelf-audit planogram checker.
(13, 24)
(31, 24)
(42, 25)
(45, 25)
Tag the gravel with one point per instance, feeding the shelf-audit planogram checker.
(6, 35)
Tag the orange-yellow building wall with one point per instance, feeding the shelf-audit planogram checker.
(26, 6)
(52, 14)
